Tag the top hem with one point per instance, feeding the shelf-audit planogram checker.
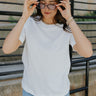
(31, 92)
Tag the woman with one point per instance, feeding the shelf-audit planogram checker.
(46, 50)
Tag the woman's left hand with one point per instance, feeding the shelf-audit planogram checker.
(66, 13)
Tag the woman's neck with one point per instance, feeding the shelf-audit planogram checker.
(48, 21)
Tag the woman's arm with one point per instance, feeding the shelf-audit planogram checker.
(83, 45)
(12, 42)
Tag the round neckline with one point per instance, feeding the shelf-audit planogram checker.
(47, 24)
(52, 26)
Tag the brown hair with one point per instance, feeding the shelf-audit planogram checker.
(58, 18)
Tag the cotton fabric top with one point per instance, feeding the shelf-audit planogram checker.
(46, 58)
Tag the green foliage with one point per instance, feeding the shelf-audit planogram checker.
(85, 19)
(11, 18)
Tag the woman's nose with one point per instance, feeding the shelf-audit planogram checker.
(46, 6)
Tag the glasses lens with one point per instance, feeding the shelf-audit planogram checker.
(40, 5)
(51, 6)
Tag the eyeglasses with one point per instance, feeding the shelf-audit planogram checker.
(49, 6)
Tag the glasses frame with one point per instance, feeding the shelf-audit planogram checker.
(47, 6)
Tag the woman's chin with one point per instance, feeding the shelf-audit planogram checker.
(47, 16)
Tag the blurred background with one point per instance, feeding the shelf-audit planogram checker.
(83, 70)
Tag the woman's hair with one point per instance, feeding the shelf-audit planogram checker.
(58, 18)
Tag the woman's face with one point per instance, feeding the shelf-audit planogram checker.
(48, 13)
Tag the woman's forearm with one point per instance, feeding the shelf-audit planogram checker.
(12, 39)
(83, 45)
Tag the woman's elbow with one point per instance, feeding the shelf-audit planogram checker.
(89, 54)
(5, 51)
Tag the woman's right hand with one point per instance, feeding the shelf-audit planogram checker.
(27, 11)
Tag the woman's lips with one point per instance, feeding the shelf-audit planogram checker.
(46, 12)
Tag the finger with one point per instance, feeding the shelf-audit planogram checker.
(32, 3)
(31, 0)
(33, 7)
(60, 9)
(65, 2)
(61, 4)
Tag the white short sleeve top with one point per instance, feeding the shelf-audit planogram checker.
(46, 58)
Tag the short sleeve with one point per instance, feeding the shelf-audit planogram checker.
(22, 35)
(72, 41)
